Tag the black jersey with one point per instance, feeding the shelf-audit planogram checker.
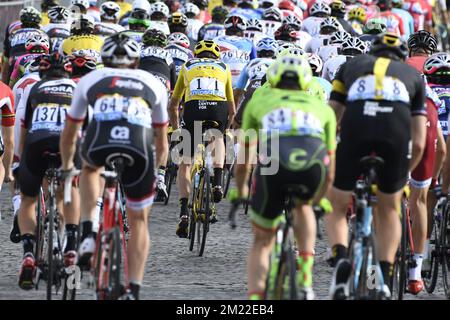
(159, 62)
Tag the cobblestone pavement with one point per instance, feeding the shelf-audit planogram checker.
(173, 272)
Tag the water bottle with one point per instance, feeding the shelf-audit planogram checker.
(196, 180)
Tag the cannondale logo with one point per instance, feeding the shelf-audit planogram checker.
(120, 133)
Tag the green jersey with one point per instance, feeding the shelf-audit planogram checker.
(291, 113)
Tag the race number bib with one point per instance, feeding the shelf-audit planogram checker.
(204, 85)
(258, 71)
(49, 117)
(19, 38)
(117, 107)
(286, 120)
(392, 90)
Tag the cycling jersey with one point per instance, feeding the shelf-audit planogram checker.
(19, 67)
(393, 22)
(57, 32)
(443, 92)
(421, 12)
(332, 65)
(159, 62)
(91, 43)
(247, 13)
(311, 25)
(417, 62)
(180, 56)
(106, 29)
(210, 31)
(193, 29)
(326, 86)
(94, 12)
(408, 21)
(161, 26)
(317, 42)
(303, 39)
(254, 36)
(6, 105)
(125, 7)
(45, 19)
(254, 70)
(204, 79)
(236, 52)
(329, 51)
(15, 45)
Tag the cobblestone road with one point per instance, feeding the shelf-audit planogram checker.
(172, 271)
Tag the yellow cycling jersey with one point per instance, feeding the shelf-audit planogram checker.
(85, 42)
(45, 20)
(204, 79)
(125, 7)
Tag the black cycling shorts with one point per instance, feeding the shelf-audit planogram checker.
(103, 140)
(302, 172)
(35, 161)
(199, 110)
(365, 131)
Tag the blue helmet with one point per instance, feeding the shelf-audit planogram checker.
(267, 44)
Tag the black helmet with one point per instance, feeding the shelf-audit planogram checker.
(54, 63)
(30, 16)
(47, 4)
(201, 4)
(120, 50)
(219, 14)
(286, 33)
(422, 39)
(154, 38)
(384, 5)
(389, 45)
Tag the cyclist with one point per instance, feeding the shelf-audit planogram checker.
(350, 47)
(334, 45)
(206, 84)
(314, 134)
(286, 33)
(421, 45)
(303, 37)
(46, 5)
(204, 15)
(216, 28)
(45, 113)
(246, 9)
(338, 11)
(271, 20)
(119, 85)
(357, 18)
(393, 22)
(58, 27)
(36, 45)
(288, 8)
(177, 23)
(328, 26)
(317, 12)
(79, 7)
(179, 49)
(82, 63)
(254, 31)
(139, 20)
(236, 51)
(159, 12)
(192, 13)
(82, 37)
(382, 116)
(93, 10)
(408, 21)
(125, 7)
(14, 45)
(109, 18)
(255, 70)
(422, 14)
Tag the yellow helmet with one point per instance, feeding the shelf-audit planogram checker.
(290, 66)
(357, 13)
(207, 46)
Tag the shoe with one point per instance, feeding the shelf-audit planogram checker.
(385, 293)
(27, 272)
(87, 249)
(182, 228)
(70, 258)
(340, 282)
(217, 194)
(213, 217)
(415, 286)
(14, 235)
(127, 296)
(306, 294)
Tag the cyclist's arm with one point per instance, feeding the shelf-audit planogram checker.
(418, 124)
(7, 107)
(230, 99)
(175, 101)
(240, 86)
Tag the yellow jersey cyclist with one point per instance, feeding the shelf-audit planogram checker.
(301, 166)
(205, 82)
(82, 37)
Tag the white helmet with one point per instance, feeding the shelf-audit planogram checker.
(293, 21)
(190, 8)
(143, 5)
(294, 50)
(254, 25)
(331, 23)
(320, 7)
(355, 44)
(272, 14)
(339, 37)
(436, 62)
(58, 14)
(315, 62)
(110, 9)
(160, 7)
(180, 39)
(82, 3)
(120, 49)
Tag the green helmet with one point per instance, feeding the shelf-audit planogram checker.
(139, 16)
(154, 38)
(219, 14)
(290, 67)
(375, 26)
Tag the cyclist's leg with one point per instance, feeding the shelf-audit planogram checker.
(89, 191)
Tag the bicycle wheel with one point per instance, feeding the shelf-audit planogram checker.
(286, 279)
(203, 223)
(227, 175)
(170, 176)
(40, 229)
(50, 248)
(430, 276)
(399, 278)
(445, 250)
(194, 207)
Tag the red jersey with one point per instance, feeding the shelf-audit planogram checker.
(417, 62)
(421, 12)
(6, 105)
(393, 22)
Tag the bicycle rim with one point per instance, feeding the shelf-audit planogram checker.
(40, 234)
(445, 246)
(363, 291)
(206, 201)
(169, 182)
(101, 271)
(114, 263)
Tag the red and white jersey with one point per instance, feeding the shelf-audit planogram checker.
(421, 12)
(393, 22)
(6, 105)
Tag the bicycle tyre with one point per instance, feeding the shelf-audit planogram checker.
(400, 267)
(114, 263)
(430, 277)
(203, 226)
(68, 294)
(445, 247)
(50, 262)
(40, 232)
(169, 180)
(193, 206)
(362, 291)
(287, 272)
(228, 174)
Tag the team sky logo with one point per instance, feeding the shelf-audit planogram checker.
(118, 82)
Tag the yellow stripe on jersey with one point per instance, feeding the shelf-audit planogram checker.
(339, 87)
(379, 70)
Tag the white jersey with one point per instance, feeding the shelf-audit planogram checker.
(193, 28)
(311, 25)
(316, 42)
(254, 36)
(94, 13)
(303, 39)
(106, 29)
(131, 94)
(161, 26)
(327, 52)
(21, 88)
(269, 27)
(331, 67)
